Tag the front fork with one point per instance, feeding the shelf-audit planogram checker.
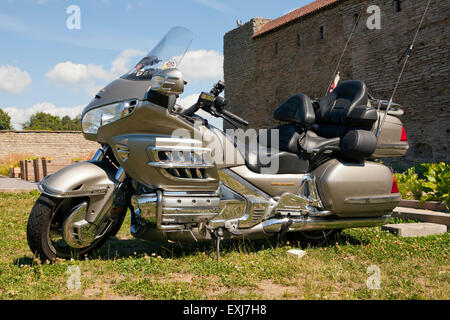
(105, 204)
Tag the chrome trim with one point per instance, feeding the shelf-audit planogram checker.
(100, 153)
(191, 193)
(181, 165)
(308, 191)
(45, 189)
(128, 107)
(374, 199)
(403, 146)
(244, 182)
(120, 175)
(172, 177)
(305, 202)
(318, 214)
(76, 231)
(257, 209)
(179, 148)
(123, 152)
(310, 224)
(159, 217)
(185, 162)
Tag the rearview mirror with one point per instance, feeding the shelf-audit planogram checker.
(168, 82)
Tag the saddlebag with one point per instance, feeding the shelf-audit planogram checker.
(356, 189)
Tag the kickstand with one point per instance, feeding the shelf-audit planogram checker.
(218, 235)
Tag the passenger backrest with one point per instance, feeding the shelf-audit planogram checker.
(334, 107)
(345, 108)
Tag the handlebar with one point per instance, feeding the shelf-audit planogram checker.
(214, 104)
(234, 117)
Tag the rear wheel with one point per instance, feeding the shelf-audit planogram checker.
(45, 229)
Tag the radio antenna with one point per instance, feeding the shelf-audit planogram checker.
(333, 77)
(408, 54)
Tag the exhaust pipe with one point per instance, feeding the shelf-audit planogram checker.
(311, 224)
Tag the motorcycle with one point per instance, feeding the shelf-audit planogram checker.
(185, 180)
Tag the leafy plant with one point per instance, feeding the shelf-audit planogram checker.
(426, 182)
(437, 185)
(409, 184)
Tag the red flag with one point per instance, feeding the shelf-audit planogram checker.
(335, 82)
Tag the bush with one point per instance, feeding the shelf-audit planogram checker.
(426, 182)
(11, 161)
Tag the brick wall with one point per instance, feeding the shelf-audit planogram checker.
(264, 71)
(54, 144)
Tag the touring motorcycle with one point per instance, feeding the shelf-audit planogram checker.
(183, 179)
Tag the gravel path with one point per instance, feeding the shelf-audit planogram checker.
(16, 185)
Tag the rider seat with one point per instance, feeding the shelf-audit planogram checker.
(338, 125)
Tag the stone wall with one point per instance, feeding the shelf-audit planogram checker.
(264, 71)
(51, 144)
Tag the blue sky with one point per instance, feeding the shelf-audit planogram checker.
(44, 66)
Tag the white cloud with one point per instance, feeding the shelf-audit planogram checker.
(188, 101)
(71, 73)
(196, 65)
(121, 64)
(202, 64)
(20, 116)
(13, 79)
(89, 76)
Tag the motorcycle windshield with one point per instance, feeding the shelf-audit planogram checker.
(167, 54)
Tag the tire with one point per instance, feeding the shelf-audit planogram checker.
(49, 212)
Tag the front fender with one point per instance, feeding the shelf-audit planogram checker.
(92, 179)
(80, 179)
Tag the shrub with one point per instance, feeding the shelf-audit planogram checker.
(437, 185)
(11, 161)
(426, 182)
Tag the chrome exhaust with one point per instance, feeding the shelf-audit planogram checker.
(275, 225)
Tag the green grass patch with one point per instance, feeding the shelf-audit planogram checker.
(127, 268)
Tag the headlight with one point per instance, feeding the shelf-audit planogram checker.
(98, 117)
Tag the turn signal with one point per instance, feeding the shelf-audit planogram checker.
(394, 186)
(403, 137)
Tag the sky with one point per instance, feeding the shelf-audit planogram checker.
(48, 65)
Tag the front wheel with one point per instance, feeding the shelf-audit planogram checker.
(45, 229)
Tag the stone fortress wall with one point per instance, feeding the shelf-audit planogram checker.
(262, 71)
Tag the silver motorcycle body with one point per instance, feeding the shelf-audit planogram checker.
(186, 180)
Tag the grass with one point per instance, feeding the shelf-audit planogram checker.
(127, 268)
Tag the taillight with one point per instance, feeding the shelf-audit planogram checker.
(403, 137)
(394, 186)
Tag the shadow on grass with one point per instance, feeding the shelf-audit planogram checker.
(116, 248)
(24, 260)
